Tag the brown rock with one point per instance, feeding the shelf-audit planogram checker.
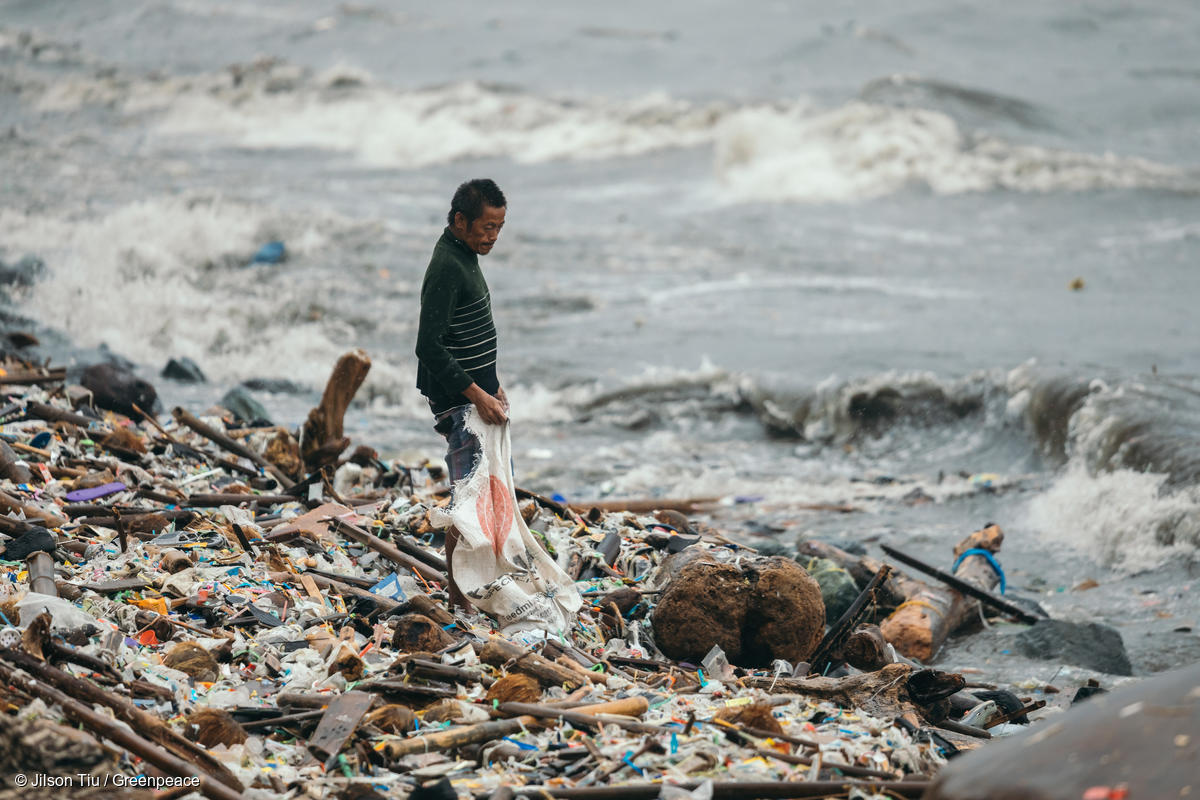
(1142, 737)
(758, 612)
(193, 659)
(418, 632)
(213, 726)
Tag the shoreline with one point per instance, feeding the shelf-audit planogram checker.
(254, 597)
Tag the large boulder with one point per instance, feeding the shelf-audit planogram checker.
(1082, 644)
(1141, 737)
(757, 610)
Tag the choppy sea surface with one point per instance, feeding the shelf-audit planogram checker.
(778, 254)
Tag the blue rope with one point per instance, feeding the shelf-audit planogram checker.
(991, 559)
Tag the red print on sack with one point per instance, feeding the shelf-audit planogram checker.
(495, 510)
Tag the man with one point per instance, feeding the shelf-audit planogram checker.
(456, 339)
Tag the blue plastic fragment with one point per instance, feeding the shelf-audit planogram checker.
(270, 253)
(41, 440)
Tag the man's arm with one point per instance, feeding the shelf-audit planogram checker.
(490, 409)
(439, 297)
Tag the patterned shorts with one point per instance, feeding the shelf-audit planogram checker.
(462, 448)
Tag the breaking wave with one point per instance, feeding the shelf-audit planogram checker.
(789, 150)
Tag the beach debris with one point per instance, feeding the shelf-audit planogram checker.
(1082, 644)
(195, 593)
(117, 389)
(322, 438)
(270, 253)
(1140, 737)
(757, 610)
(919, 626)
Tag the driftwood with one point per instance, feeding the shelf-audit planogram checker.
(919, 627)
(11, 466)
(892, 691)
(386, 549)
(500, 652)
(486, 731)
(217, 782)
(322, 438)
(732, 790)
(225, 442)
(49, 413)
(987, 598)
(386, 604)
(866, 649)
(10, 504)
(34, 376)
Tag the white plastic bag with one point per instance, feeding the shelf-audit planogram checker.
(498, 563)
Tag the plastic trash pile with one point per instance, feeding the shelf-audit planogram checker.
(307, 659)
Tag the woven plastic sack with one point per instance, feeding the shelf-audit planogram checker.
(498, 563)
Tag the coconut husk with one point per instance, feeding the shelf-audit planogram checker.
(515, 688)
(349, 664)
(442, 711)
(284, 452)
(10, 610)
(125, 439)
(213, 726)
(755, 715)
(392, 718)
(193, 659)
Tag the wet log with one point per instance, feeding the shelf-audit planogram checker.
(11, 505)
(442, 741)
(34, 376)
(832, 642)
(866, 649)
(732, 790)
(919, 627)
(987, 598)
(232, 446)
(884, 693)
(500, 652)
(324, 426)
(49, 413)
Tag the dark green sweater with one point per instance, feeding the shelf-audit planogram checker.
(456, 340)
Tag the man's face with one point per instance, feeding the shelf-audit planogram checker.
(481, 234)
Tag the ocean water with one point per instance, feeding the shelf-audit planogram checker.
(777, 254)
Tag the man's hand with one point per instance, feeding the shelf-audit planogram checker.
(491, 410)
(502, 397)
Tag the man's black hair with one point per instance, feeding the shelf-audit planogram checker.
(472, 196)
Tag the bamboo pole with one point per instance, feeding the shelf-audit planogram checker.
(386, 549)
